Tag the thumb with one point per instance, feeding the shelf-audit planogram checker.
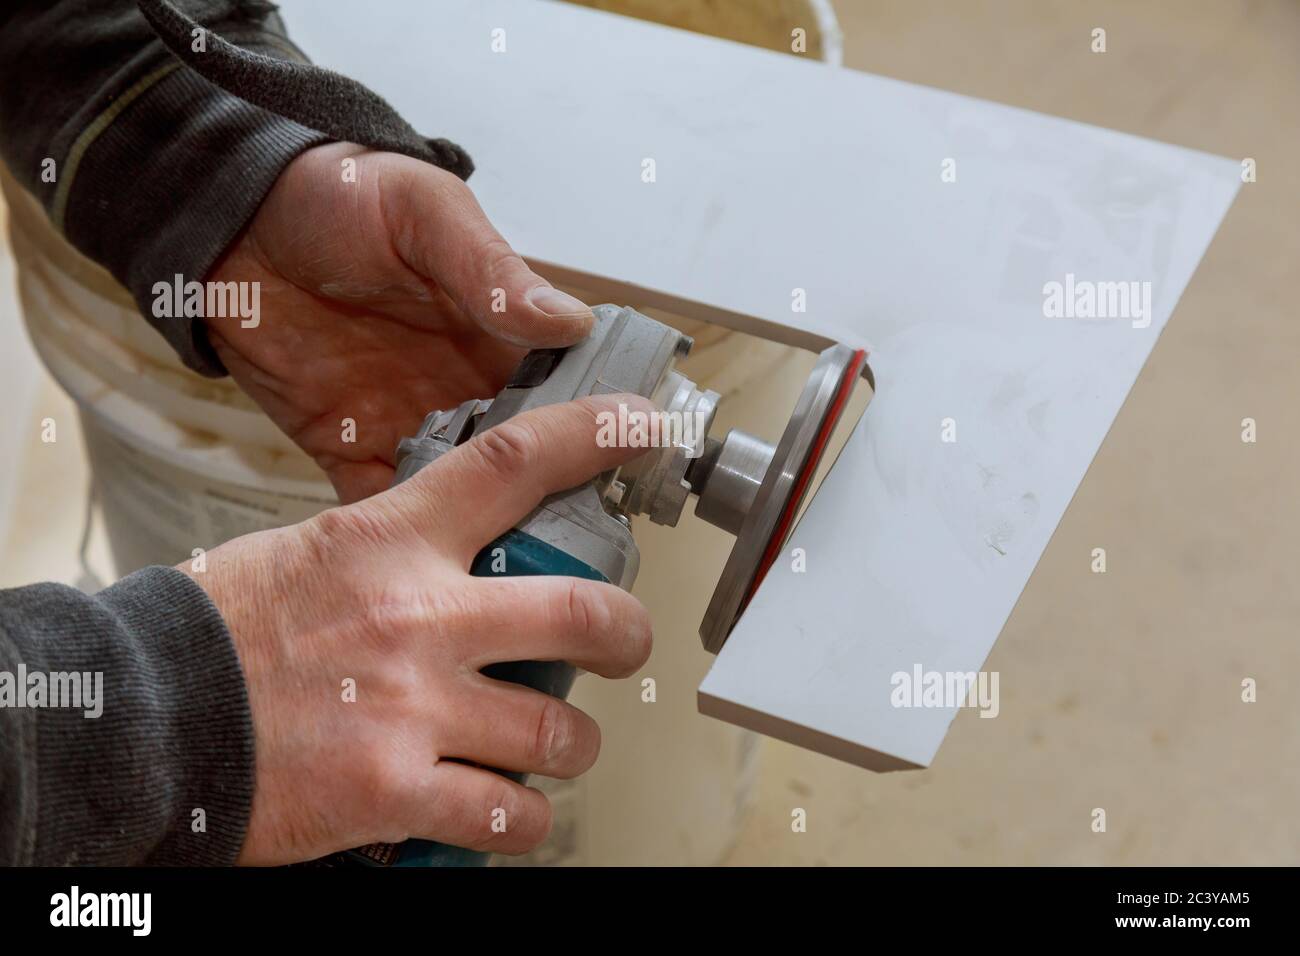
(440, 231)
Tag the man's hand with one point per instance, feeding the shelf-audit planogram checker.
(384, 294)
(376, 597)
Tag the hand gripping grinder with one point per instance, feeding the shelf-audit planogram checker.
(742, 484)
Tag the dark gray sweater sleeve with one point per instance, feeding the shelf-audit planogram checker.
(142, 164)
(151, 151)
(151, 130)
(164, 774)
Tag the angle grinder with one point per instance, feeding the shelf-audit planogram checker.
(742, 484)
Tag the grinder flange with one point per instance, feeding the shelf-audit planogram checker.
(768, 520)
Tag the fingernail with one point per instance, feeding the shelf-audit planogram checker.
(557, 304)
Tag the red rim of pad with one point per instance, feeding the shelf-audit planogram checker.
(814, 458)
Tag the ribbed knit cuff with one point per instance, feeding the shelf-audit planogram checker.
(164, 775)
(169, 183)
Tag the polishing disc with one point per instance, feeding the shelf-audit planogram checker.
(784, 487)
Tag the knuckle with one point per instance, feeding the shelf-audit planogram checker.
(414, 184)
(383, 770)
(405, 693)
(425, 489)
(510, 449)
(527, 816)
(383, 615)
(391, 617)
(332, 524)
(585, 611)
(510, 801)
(576, 610)
(342, 529)
(444, 184)
(552, 734)
(457, 619)
(584, 414)
(397, 783)
(529, 822)
(498, 258)
(381, 630)
(416, 630)
(407, 192)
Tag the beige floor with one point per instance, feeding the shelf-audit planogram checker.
(1122, 690)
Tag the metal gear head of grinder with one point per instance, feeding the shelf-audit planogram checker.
(742, 484)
